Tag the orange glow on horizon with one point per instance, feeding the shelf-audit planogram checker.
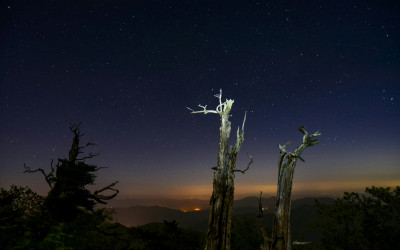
(320, 187)
(195, 209)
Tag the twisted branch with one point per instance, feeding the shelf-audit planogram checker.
(219, 109)
(91, 155)
(50, 179)
(75, 148)
(307, 142)
(100, 198)
(248, 165)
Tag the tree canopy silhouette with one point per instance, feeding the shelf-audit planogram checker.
(362, 221)
(69, 180)
(19, 210)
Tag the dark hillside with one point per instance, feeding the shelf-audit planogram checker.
(245, 223)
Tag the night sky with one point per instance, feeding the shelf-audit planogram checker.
(129, 69)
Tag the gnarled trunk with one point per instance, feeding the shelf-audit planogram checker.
(281, 234)
(221, 202)
(281, 228)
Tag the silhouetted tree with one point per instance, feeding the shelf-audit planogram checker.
(221, 202)
(22, 200)
(362, 221)
(69, 180)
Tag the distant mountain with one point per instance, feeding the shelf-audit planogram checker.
(141, 215)
(191, 204)
(303, 213)
(178, 204)
(153, 226)
(252, 201)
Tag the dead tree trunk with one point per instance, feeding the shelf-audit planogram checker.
(267, 241)
(221, 202)
(281, 239)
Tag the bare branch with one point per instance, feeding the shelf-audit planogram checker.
(248, 165)
(303, 131)
(283, 148)
(240, 135)
(100, 198)
(109, 187)
(51, 166)
(76, 150)
(307, 141)
(28, 170)
(48, 177)
(301, 159)
(75, 126)
(98, 168)
(204, 111)
(89, 144)
(219, 109)
(91, 155)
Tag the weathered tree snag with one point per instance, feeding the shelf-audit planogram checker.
(221, 202)
(287, 162)
(260, 215)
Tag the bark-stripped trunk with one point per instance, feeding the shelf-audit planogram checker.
(220, 213)
(221, 202)
(281, 228)
(281, 234)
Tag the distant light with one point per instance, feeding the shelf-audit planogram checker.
(197, 209)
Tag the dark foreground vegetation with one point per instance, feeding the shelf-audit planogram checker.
(24, 225)
(355, 221)
(362, 221)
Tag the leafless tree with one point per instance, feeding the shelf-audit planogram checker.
(281, 239)
(221, 202)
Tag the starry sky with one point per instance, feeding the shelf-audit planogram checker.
(129, 69)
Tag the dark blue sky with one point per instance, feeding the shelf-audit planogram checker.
(129, 69)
